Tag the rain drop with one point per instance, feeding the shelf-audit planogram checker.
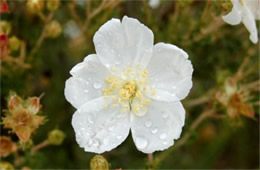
(95, 143)
(86, 91)
(148, 124)
(106, 141)
(165, 115)
(90, 120)
(90, 142)
(174, 87)
(117, 62)
(141, 143)
(163, 136)
(97, 85)
(119, 136)
(165, 143)
(154, 131)
(111, 128)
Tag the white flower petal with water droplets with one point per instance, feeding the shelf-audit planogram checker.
(86, 77)
(170, 73)
(157, 129)
(141, 77)
(123, 44)
(98, 128)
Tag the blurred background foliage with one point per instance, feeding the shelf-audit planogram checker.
(53, 36)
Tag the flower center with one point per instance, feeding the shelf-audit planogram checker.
(128, 89)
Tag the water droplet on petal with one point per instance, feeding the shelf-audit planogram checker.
(117, 62)
(90, 142)
(148, 124)
(95, 143)
(141, 143)
(154, 131)
(97, 85)
(119, 136)
(173, 95)
(111, 128)
(165, 115)
(87, 83)
(90, 120)
(163, 136)
(165, 143)
(106, 141)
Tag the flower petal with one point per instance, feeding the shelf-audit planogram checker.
(15, 103)
(88, 78)
(140, 41)
(123, 44)
(170, 73)
(157, 129)
(234, 17)
(33, 104)
(248, 20)
(254, 6)
(99, 127)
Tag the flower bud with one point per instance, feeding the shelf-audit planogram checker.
(98, 162)
(225, 5)
(53, 5)
(6, 166)
(25, 145)
(54, 29)
(35, 6)
(3, 7)
(7, 146)
(56, 137)
(14, 43)
(5, 27)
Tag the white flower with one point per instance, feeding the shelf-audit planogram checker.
(246, 11)
(129, 84)
(154, 3)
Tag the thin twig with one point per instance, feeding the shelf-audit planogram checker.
(41, 38)
(210, 29)
(74, 15)
(39, 146)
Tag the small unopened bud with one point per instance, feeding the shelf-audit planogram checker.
(25, 145)
(54, 29)
(5, 27)
(98, 162)
(6, 166)
(35, 6)
(225, 5)
(3, 7)
(53, 5)
(14, 43)
(56, 137)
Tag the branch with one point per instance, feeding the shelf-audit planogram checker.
(41, 38)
